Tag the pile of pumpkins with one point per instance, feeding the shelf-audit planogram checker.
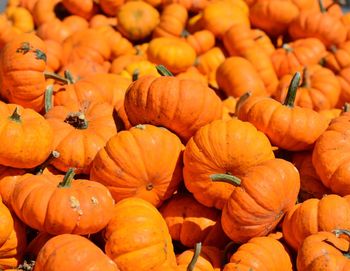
(168, 135)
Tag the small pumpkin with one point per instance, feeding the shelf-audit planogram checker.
(67, 251)
(85, 9)
(129, 164)
(287, 126)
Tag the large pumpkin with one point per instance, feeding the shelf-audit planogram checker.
(145, 162)
(169, 102)
(137, 237)
(58, 204)
(218, 148)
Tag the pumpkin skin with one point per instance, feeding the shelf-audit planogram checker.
(54, 50)
(236, 75)
(218, 147)
(135, 230)
(161, 108)
(174, 53)
(323, 250)
(334, 170)
(20, 18)
(294, 56)
(43, 11)
(255, 207)
(117, 166)
(191, 222)
(70, 250)
(137, 20)
(260, 253)
(288, 127)
(329, 29)
(239, 41)
(263, 40)
(313, 215)
(273, 16)
(201, 41)
(31, 137)
(339, 57)
(7, 31)
(310, 183)
(75, 206)
(344, 80)
(80, 133)
(320, 88)
(22, 66)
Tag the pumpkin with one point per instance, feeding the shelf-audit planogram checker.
(310, 183)
(44, 11)
(129, 164)
(172, 21)
(99, 20)
(331, 155)
(216, 148)
(219, 15)
(294, 56)
(21, 18)
(22, 71)
(313, 215)
(273, 16)
(259, 199)
(190, 5)
(318, 24)
(174, 53)
(287, 126)
(238, 41)
(31, 137)
(13, 248)
(7, 32)
(201, 258)
(191, 222)
(67, 251)
(339, 57)
(54, 51)
(260, 253)
(236, 75)
(139, 68)
(320, 88)
(120, 62)
(110, 7)
(324, 251)
(58, 204)
(137, 20)
(201, 41)
(263, 40)
(193, 73)
(344, 80)
(85, 9)
(163, 106)
(80, 132)
(135, 230)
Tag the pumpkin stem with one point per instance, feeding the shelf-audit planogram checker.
(333, 48)
(68, 75)
(226, 178)
(40, 169)
(306, 78)
(185, 33)
(346, 107)
(77, 120)
(55, 76)
(322, 8)
(225, 255)
(287, 47)
(258, 37)
(292, 90)
(197, 252)
(163, 71)
(48, 98)
(135, 75)
(242, 100)
(68, 178)
(15, 115)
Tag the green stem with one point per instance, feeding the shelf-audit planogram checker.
(322, 8)
(306, 78)
(292, 90)
(287, 47)
(196, 253)
(68, 75)
(185, 33)
(135, 75)
(346, 107)
(40, 169)
(226, 178)
(15, 116)
(242, 100)
(55, 76)
(68, 178)
(163, 71)
(48, 98)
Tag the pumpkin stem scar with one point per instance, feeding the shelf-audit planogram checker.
(68, 178)
(197, 252)
(15, 115)
(226, 178)
(292, 90)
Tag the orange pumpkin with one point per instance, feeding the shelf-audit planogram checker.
(83, 8)
(339, 57)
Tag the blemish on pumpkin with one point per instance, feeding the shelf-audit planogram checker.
(75, 204)
(149, 186)
(94, 200)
